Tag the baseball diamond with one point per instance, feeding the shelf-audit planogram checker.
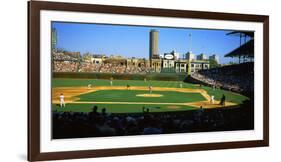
(191, 96)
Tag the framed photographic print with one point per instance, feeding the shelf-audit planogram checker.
(112, 80)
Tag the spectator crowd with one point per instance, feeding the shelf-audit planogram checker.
(71, 63)
(60, 56)
(238, 78)
(100, 123)
(65, 66)
(112, 68)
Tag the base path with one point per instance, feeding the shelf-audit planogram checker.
(71, 93)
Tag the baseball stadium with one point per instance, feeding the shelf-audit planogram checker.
(96, 95)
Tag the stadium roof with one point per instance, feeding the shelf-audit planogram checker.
(246, 49)
(245, 33)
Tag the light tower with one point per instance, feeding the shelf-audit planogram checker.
(190, 42)
(54, 39)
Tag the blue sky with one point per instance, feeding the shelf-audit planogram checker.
(133, 41)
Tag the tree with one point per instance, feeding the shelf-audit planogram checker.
(213, 63)
(87, 57)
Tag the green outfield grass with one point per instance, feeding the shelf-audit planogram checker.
(130, 95)
(102, 82)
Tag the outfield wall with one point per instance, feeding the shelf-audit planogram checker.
(150, 76)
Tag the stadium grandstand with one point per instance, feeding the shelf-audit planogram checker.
(238, 77)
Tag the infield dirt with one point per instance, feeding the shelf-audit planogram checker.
(71, 93)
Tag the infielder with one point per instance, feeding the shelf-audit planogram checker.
(180, 85)
(128, 87)
(62, 103)
(111, 81)
(150, 89)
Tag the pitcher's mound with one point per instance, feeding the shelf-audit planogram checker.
(149, 95)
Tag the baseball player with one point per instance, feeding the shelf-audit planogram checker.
(150, 89)
(180, 85)
(62, 103)
(212, 99)
(222, 103)
(111, 81)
